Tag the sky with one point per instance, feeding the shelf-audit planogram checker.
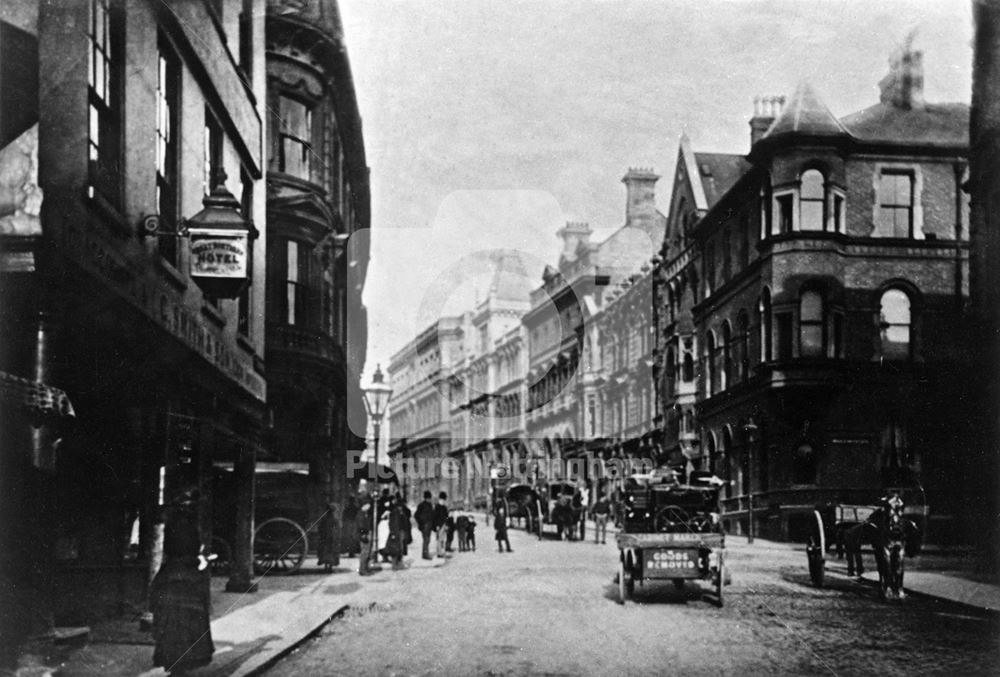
(489, 124)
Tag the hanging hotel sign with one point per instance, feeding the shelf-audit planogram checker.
(218, 254)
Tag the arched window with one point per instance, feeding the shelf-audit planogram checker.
(671, 372)
(713, 460)
(727, 355)
(713, 378)
(764, 322)
(687, 369)
(895, 325)
(804, 464)
(743, 345)
(811, 332)
(811, 194)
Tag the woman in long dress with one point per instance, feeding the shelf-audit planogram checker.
(181, 593)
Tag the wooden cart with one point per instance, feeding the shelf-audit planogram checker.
(677, 557)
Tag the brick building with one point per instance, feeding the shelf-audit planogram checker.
(814, 293)
(317, 201)
(117, 119)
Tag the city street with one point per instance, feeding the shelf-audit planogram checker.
(550, 608)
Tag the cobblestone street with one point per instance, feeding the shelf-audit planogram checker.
(550, 608)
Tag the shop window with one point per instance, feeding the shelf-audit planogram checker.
(895, 204)
(811, 196)
(104, 94)
(295, 137)
(895, 325)
(811, 325)
(167, 115)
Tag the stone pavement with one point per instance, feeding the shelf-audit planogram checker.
(250, 631)
(253, 631)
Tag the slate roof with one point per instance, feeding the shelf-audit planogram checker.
(719, 172)
(805, 113)
(936, 124)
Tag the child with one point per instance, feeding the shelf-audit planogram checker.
(470, 534)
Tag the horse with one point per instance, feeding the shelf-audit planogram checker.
(892, 538)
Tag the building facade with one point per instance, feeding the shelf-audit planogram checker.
(317, 202)
(815, 296)
(130, 118)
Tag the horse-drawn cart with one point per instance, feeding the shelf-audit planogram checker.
(891, 526)
(671, 532)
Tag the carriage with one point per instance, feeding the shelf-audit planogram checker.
(547, 506)
(288, 513)
(892, 525)
(671, 531)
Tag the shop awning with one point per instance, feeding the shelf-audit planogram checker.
(35, 398)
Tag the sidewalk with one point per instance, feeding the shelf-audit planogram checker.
(250, 631)
(939, 573)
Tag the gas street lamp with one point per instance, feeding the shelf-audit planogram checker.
(750, 429)
(377, 396)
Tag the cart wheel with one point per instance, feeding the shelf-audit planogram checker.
(625, 582)
(279, 546)
(720, 579)
(816, 552)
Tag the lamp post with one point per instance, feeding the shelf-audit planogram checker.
(750, 429)
(377, 396)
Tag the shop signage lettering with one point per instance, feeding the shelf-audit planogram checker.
(219, 257)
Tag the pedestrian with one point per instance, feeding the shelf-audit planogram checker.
(440, 523)
(329, 526)
(471, 533)
(180, 594)
(407, 522)
(600, 512)
(462, 528)
(500, 525)
(365, 535)
(349, 528)
(425, 522)
(397, 528)
(449, 526)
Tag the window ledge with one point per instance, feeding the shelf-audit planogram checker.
(214, 314)
(243, 341)
(173, 276)
(108, 212)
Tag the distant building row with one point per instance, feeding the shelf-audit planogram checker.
(805, 310)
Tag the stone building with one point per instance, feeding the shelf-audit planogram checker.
(590, 359)
(125, 126)
(317, 202)
(815, 292)
(420, 408)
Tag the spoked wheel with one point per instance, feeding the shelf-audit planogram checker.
(671, 517)
(223, 556)
(279, 547)
(816, 553)
(720, 580)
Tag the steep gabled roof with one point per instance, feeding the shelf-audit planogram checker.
(691, 166)
(718, 172)
(805, 113)
(934, 124)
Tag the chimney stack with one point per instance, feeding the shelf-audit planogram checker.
(573, 234)
(765, 110)
(903, 87)
(640, 188)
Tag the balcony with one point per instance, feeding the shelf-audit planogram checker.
(304, 342)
